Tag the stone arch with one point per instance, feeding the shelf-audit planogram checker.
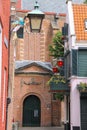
(31, 111)
(43, 104)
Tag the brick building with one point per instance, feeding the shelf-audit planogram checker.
(32, 103)
(4, 47)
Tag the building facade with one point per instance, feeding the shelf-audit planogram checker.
(75, 64)
(30, 69)
(4, 53)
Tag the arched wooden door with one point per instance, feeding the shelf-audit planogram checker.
(31, 111)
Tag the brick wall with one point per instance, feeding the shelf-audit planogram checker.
(35, 43)
(56, 113)
(21, 91)
(32, 47)
(4, 19)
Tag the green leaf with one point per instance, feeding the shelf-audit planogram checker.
(57, 48)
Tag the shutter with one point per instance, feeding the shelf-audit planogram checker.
(67, 70)
(66, 29)
(74, 62)
(63, 31)
(82, 63)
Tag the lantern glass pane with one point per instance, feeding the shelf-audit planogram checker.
(35, 23)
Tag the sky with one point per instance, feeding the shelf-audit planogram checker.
(57, 6)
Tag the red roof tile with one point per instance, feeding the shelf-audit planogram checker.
(80, 14)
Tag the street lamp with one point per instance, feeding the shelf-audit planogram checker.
(36, 17)
(58, 68)
(60, 62)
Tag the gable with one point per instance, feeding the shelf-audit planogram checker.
(32, 67)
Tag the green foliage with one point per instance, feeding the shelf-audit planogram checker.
(85, 2)
(82, 86)
(59, 96)
(56, 79)
(57, 48)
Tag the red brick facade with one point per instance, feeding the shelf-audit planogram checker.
(31, 79)
(41, 90)
(4, 43)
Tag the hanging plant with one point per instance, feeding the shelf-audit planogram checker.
(57, 79)
(82, 86)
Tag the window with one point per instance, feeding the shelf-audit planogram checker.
(79, 62)
(82, 62)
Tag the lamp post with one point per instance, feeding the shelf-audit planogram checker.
(36, 17)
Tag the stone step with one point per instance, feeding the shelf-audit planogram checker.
(41, 128)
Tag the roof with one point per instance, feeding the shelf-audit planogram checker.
(80, 14)
(28, 63)
(57, 6)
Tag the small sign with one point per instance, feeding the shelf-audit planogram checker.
(35, 113)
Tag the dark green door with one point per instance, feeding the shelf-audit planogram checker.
(31, 111)
(84, 111)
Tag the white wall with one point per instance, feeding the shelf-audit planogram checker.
(75, 100)
(70, 21)
(74, 103)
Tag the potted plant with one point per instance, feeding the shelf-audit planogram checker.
(82, 87)
(57, 79)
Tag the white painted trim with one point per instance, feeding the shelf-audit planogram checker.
(72, 36)
(71, 18)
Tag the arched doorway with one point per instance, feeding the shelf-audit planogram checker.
(31, 111)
